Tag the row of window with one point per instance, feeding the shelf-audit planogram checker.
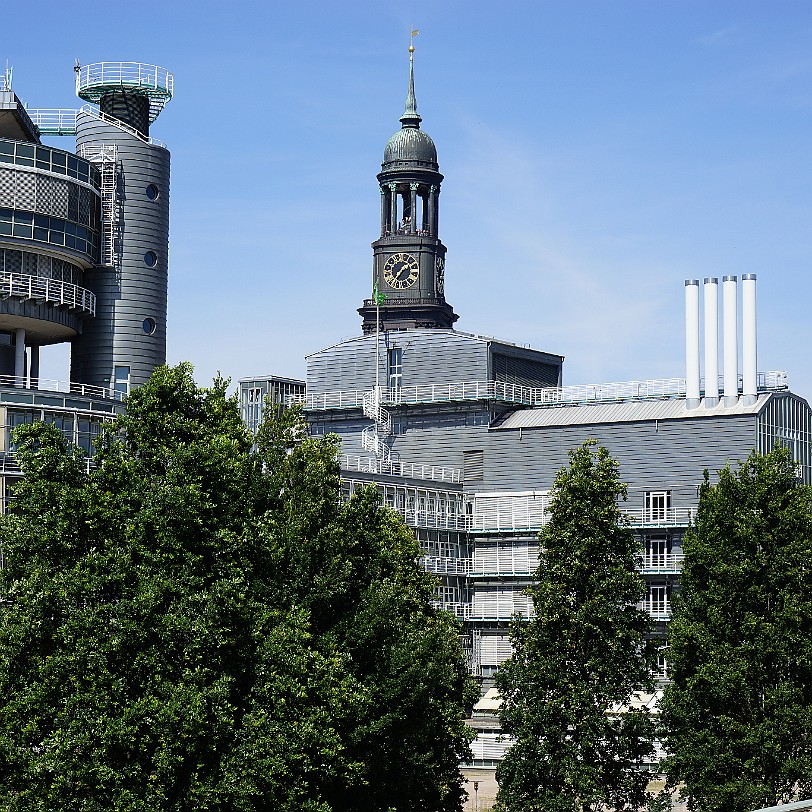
(78, 429)
(51, 160)
(51, 230)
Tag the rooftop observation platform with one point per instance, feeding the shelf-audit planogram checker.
(522, 396)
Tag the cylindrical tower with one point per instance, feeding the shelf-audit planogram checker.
(126, 341)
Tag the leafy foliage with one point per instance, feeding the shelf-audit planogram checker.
(738, 713)
(580, 658)
(192, 625)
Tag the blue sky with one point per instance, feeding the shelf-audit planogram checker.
(595, 154)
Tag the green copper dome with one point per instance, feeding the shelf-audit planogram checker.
(410, 144)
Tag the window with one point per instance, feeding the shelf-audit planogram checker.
(252, 404)
(657, 505)
(657, 603)
(152, 192)
(395, 374)
(121, 379)
(150, 259)
(149, 326)
(657, 549)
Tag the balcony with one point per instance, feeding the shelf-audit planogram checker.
(662, 564)
(445, 566)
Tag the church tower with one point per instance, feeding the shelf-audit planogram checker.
(408, 257)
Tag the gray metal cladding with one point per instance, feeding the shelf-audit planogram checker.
(116, 337)
(652, 455)
(429, 357)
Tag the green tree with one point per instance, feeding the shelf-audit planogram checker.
(178, 626)
(580, 658)
(738, 714)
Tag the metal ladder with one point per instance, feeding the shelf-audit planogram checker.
(105, 158)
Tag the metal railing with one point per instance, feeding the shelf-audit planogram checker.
(54, 121)
(53, 291)
(95, 80)
(433, 520)
(409, 470)
(664, 517)
(522, 395)
(63, 387)
(664, 563)
(61, 121)
(445, 566)
(461, 610)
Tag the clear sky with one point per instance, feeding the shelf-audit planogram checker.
(596, 154)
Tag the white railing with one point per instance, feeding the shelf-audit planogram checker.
(54, 291)
(126, 74)
(664, 562)
(54, 121)
(434, 520)
(98, 78)
(371, 465)
(526, 510)
(461, 610)
(657, 610)
(666, 517)
(63, 387)
(445, 566)
(521, 395)
(63, 122)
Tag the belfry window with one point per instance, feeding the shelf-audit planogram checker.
(395, 368)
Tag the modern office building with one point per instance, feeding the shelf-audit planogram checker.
(84, 239)
(463, 434)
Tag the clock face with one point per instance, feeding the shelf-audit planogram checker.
(401, 271)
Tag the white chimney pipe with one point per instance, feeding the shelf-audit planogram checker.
(692, 343)
(749, 361)
(731, 348)
(711, 288)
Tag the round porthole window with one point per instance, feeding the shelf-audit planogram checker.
(150, 258)
(150, 326)
(153, 193)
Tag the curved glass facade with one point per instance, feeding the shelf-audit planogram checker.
(50, 230)
(50, 159)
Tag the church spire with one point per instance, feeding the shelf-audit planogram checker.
(410, 118)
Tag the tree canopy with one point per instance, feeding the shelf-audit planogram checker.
(738, 713)
(195, 624)
(578, 660)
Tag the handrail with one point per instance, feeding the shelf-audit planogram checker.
(445, 566)
(63, 121)
(54, 291)
(63, 387)
(521, 395)
(410, 470)
(157, 83)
